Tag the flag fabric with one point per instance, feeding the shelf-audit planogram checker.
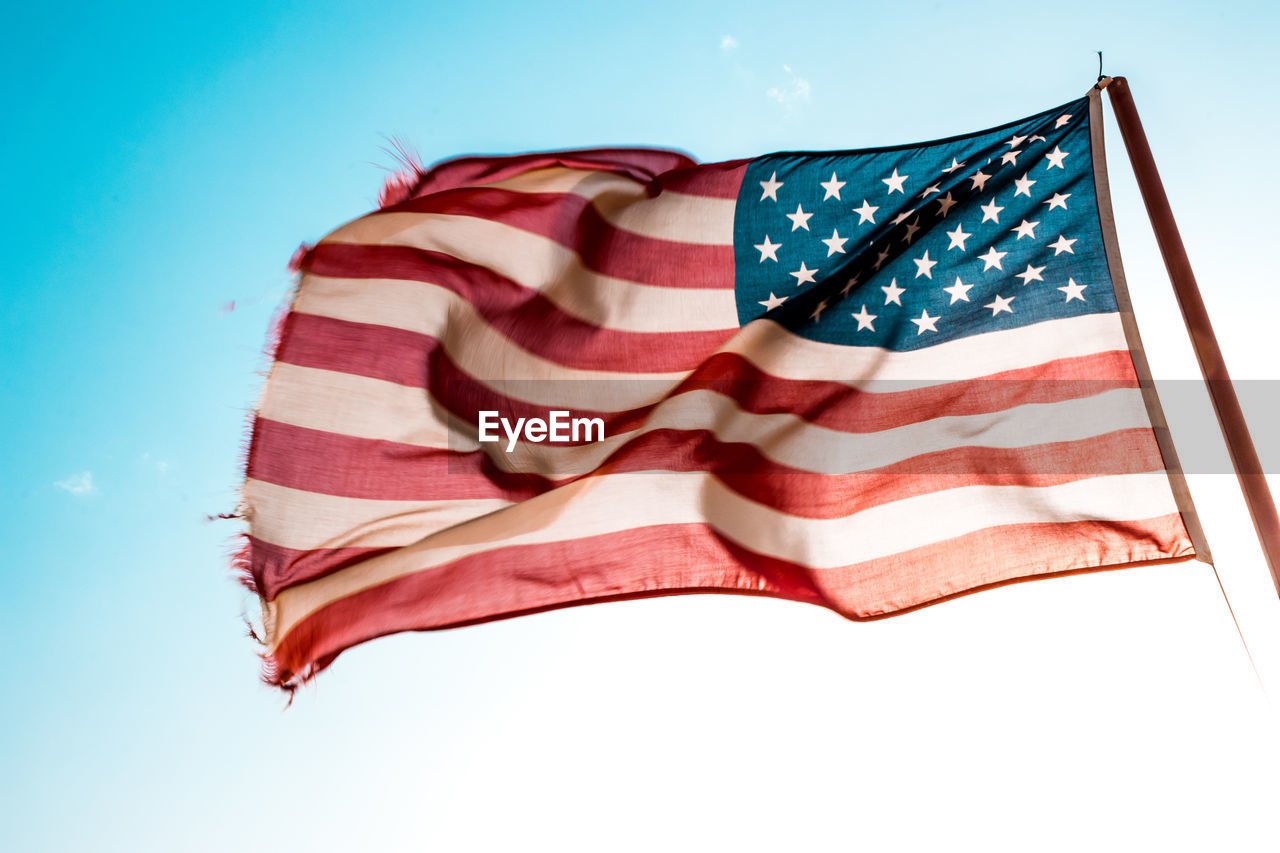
(868, 380)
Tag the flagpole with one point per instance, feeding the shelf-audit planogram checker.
(1244, 457)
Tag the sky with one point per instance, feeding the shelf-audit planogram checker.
(163, 163)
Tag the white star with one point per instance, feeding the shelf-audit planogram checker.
(959, 291)
(1026, 229)
(864, 319)
(892, 292)
(817, 311)
(768, 250)
(1037, 138)
(1063, 245)
(1062, 120)
(912, 228)
(958, 237)
(1030, 274)
(1001, 304)
(882, 257)
(832, 187)
(866, 213)
(799, 219)
(895, 182)
(954, 165)
(902, 217)
(1073, 290)
(1055, 158)
(924, 266)
(992, 259)
(803, 274)
(1015, 141)
(1024, 185)
(928, 191)
(946, 203)
(770, 187)
(1058, 200)
(773, 301)
(925, 322)
(835, 243)
(849, 285)
(1010, 157)
(991, 212)
(979, 181)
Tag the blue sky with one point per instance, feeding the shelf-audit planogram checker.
(163, 162)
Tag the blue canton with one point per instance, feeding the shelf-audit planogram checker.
(914, 245)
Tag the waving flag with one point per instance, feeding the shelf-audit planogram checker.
(868, 380)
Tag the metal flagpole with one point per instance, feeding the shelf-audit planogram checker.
(1244, 457)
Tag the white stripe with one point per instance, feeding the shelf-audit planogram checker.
(436, 311)
(425, 308)
(672, 216)
(490, 357)
(483, 353)
(625, 204)
(557, 273)
(790, 440)
(357, 406)
(600, 505)
(293, 518)
(779, 352)
(373, 409)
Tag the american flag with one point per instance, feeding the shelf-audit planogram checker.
(868, 380)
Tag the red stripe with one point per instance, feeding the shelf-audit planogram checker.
(275, 567)
(716, 180)
(525, 317)
(340, 465)
(669, 559)
(329, 463)
(419, 361)
(333, 464)
(573, 222)
(639, 164)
